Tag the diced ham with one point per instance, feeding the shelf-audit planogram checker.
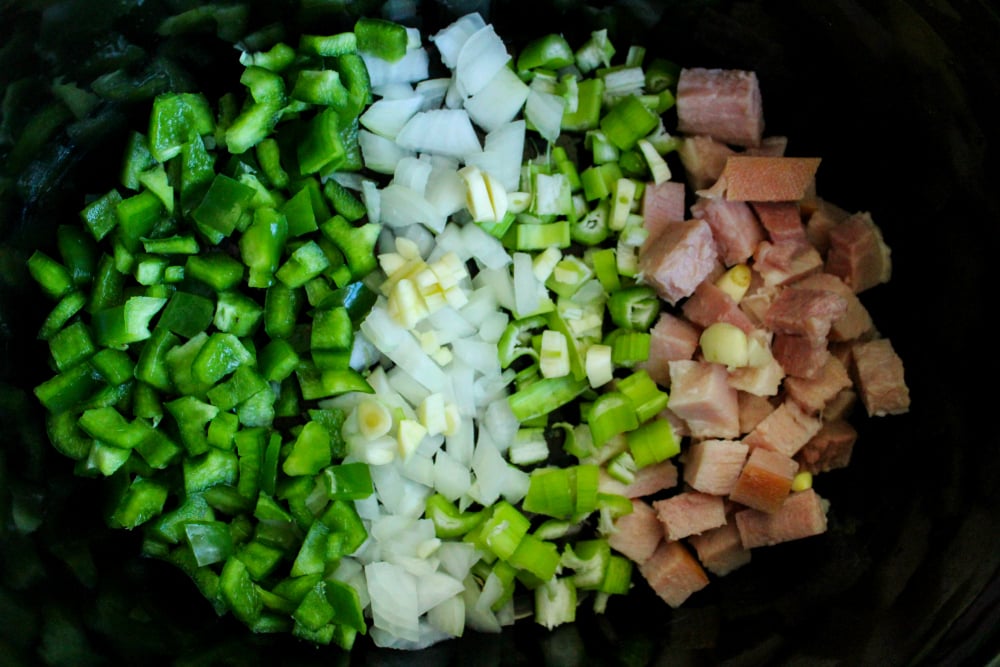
(841, 405)
(736, 230)
(765, 482)
(721, 549)
(758, 298)
(812, 394)
(762, 379)
(710, 304)
(782, 221)
(690, 513)
(821, 222)
(800, 356)
(671, 339)
(700, 395)
(663, 203)
(805, 312)
(648, 480)
(858, 254)
(757, 178)
(786, 430)
(881, 384)
(803, 514)
(637, 534)
(783, 263)
(753, 409)
(829, 449)
(724, 104)
(774, 146)
(678, 259)
(712, 466)
(673, 573)
(703, 159)
(856, 322)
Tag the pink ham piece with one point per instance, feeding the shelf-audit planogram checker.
(710, 304)
(648, 480)
(803, 514)
(821, 222)
(736, 230)
(721, 549)
(671, 339)
(675, 261)
(783, 263)
(786, 430)
(765, 179)
(879, 372)
(765, 481)
(800, 356)
(781, 220)
(663, 203)
(812, 394)
(829, 449)
(858, 254)
(805, 312)
(724, 104)
(758, 297)
(753, 409)
(637, 534)
(703, 159)
(856, 322)
(840, 406)
(712, 466)
(673, 573)
(690, 513)
(701, 396)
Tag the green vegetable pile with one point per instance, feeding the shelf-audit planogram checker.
(224, 232)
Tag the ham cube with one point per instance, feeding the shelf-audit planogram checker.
(782, 263)
(721, 549)
(812, 394)
(637, 534)
(856, 322)
(753, 409)
(712, 466)
(648, 480)
(765, 481)
(786, 430)
(858, 254)
(766, 179)
(803, 514)
(736, 230)
(703, 159)
(710, 304)
(781, 220)
(829, 449)
(675, 261)
(663, 203)
(805, 312)
(841, 405)
(800, 356)
(821, 222)
(671, 339)
(700, 394)
(690, 513)
(879, 371)
(673, 573)
(724, 104)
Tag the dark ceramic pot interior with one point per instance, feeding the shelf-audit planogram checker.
(899, 98)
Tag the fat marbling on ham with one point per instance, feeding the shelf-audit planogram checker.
(751, 431)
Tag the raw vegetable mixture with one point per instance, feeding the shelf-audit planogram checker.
(374, 345)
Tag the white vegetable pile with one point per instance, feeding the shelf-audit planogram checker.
(439, 420)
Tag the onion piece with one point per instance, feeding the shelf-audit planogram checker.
(499, 101)
(450, 39)
(440, 131)
(481, 57)
(387, 116)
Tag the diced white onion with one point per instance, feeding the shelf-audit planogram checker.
(441, 131)
(387, 116)
(450, 39)
(499, 101)
(482, 55)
